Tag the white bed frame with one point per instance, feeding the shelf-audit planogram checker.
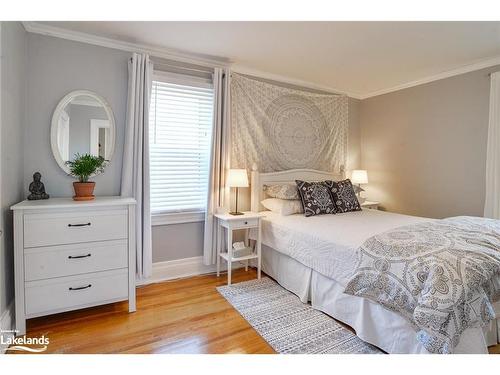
(260, 179)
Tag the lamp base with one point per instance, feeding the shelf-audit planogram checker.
(236, 213)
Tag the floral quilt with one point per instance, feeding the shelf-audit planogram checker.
(442, 276)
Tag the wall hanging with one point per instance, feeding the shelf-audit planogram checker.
(279, 128)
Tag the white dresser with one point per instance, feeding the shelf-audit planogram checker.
(71, 255)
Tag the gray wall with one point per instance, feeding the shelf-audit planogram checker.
(177, 241)
(13, 96)
(425, 147)
(56, 67)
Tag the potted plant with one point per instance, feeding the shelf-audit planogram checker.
(83, 167)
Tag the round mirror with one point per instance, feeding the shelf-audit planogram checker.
(82, 123)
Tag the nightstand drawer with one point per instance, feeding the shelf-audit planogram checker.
(244, 223)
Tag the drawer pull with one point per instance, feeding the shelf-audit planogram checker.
(79, 225)
(79, 256)
(81, 287)
(246, 222)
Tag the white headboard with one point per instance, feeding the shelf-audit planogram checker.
(283, 177)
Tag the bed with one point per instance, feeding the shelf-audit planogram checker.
(294, 252)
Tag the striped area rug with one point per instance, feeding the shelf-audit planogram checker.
(288, 325)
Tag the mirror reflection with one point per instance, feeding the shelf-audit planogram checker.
(83, 127)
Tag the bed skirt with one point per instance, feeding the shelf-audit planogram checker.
(372, 323)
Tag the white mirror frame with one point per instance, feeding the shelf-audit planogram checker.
(55, 119)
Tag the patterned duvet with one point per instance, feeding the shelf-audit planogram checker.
(442, 276)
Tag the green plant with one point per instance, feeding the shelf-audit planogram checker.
(84, 166)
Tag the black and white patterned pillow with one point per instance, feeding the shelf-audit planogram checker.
(316, 198)
(282, 191)
(343, 195)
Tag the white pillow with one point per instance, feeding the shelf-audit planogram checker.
(283, 207)
(282, 191)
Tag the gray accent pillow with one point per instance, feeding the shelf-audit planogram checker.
(316, 198)
(282, 191)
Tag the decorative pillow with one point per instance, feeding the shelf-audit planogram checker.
(316, 199)
(282, 191)
(283, 207)
(343, 195)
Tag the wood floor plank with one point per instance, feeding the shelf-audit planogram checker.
(180, 316)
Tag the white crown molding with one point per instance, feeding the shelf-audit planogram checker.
(292, 81)
(161, 52)
(478, 65)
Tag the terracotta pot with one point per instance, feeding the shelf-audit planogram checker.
(84, 191)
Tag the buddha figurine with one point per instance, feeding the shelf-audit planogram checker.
(37, 189)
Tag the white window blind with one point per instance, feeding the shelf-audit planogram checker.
(180, 129)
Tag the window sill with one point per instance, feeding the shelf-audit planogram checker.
(177, 218)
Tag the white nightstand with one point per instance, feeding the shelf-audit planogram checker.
(246, 221)
(371, 205)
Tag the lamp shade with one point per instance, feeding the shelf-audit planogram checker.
(237, 178)
(359, 176)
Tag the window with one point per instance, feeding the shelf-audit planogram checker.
(180, 129)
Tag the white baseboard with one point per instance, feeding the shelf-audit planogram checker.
(180, 268)
(6, 324)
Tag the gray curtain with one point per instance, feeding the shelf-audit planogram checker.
(135, 172)
(218, 193)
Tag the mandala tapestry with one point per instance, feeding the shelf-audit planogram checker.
(278, 128)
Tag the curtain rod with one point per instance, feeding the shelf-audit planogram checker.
(183, 67)
(158, 63)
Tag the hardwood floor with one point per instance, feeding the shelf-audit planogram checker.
(180, 316)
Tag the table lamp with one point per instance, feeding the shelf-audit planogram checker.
(359, 176)
(237, 178)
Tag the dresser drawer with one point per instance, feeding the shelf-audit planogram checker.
(67, 293)
(65, 260)
(73, 227)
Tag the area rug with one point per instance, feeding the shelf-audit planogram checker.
(287, 324)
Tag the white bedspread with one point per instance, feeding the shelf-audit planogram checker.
(328, 243)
